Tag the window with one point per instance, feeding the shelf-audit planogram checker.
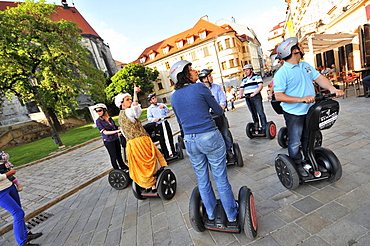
(152, 56)
(233, 39)
(223, 64)
(219, 46)
(181, 57)
(142, 60)
(167, 65)
(243, 49)
(205, 51)
(179, 44)
(227, 43)
(193, 55)
(237, 61)
(160, 86)
(166, 50)
(203, 35)
(231, 62)
(164, 100)
(171, 83)
(190, 39)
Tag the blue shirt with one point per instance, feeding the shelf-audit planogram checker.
(154, 112)
(191, 105)
(218, 93)
(108, 126)
(250, 85)
(296, 81)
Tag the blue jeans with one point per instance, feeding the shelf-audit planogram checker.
(297, 136)
(10, 201)
(209, 148)
(256, 108)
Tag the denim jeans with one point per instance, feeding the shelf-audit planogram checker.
(209, 148)
(10, 201)
(297, 136)
(256, 108)
(226, 134)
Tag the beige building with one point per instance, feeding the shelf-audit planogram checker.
(224, 47)
(332, 32)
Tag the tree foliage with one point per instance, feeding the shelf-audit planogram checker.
(32, 44)
(123, 80)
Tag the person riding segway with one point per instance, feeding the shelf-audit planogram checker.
(250, 89)
(293, 86)
(159, 129)
(206, 150)
(233, 153)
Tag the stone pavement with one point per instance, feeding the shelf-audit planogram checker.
(319, 213)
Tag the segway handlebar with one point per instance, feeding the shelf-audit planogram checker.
(320, 97)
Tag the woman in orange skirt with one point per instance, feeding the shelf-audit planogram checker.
(144, 159)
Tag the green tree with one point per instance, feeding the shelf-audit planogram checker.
(123, 80)
(32, 44)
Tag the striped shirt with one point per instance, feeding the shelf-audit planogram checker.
(250, 85)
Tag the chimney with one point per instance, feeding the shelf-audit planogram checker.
(205, 17)
(65, 4)
(232, 19)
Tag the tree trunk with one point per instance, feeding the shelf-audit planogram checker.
(55, 120)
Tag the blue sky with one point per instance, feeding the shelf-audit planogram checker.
(131, 26)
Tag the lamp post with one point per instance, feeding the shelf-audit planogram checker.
(55, 136)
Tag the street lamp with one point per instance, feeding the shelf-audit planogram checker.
(55, 136)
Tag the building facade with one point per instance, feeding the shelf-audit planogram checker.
(223, 47)
(100, 55)
(333, 32)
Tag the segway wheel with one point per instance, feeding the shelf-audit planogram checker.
(137, 191)
(166, 184)
(283, 137)
(327, 159)
(118, 179)
(247, 216)
(179, 151)
(318, 139)
(238, 155)
(286, 172)
(271, 130)
(197, 211)
(249, 130)
(180, 140)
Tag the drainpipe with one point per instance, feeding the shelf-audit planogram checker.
(219, 67)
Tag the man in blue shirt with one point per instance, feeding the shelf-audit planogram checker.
(251, 86)
(156, 112)
(206, 78)
(293, 86)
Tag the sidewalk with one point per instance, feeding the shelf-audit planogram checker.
(320, 213)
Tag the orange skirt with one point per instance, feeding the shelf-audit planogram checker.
(144, 159)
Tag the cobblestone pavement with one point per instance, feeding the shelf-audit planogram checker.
(319, 213)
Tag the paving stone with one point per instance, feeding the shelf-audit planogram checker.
(313, 223)
(307, 205)
(333, 211)
(288, 214)
(290, 235)
(265, 241)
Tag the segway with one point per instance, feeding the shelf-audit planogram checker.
(246, 218)
(120, 178)
(151, 129)
(238, 158)
(252, 131)
(166, 186)
(282, 135)
(322, 164)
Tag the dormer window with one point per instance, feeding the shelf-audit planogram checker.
(179, 44)
(142, 59)
(166, 49)
(190, 39)
(152, 54)
(203, 34)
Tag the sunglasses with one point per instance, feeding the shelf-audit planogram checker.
(99, 110)
(296, 53)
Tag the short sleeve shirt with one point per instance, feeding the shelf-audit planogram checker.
(296, 81)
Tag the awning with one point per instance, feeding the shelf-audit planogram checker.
(325, 42)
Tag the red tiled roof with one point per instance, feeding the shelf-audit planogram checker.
(212, 32)
(118, 63)
(280, 25)
(71, 14)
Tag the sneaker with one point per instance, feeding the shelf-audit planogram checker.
(19, 187)
(32, 236)
(302, 172)
(232, 223)
(230, 156)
